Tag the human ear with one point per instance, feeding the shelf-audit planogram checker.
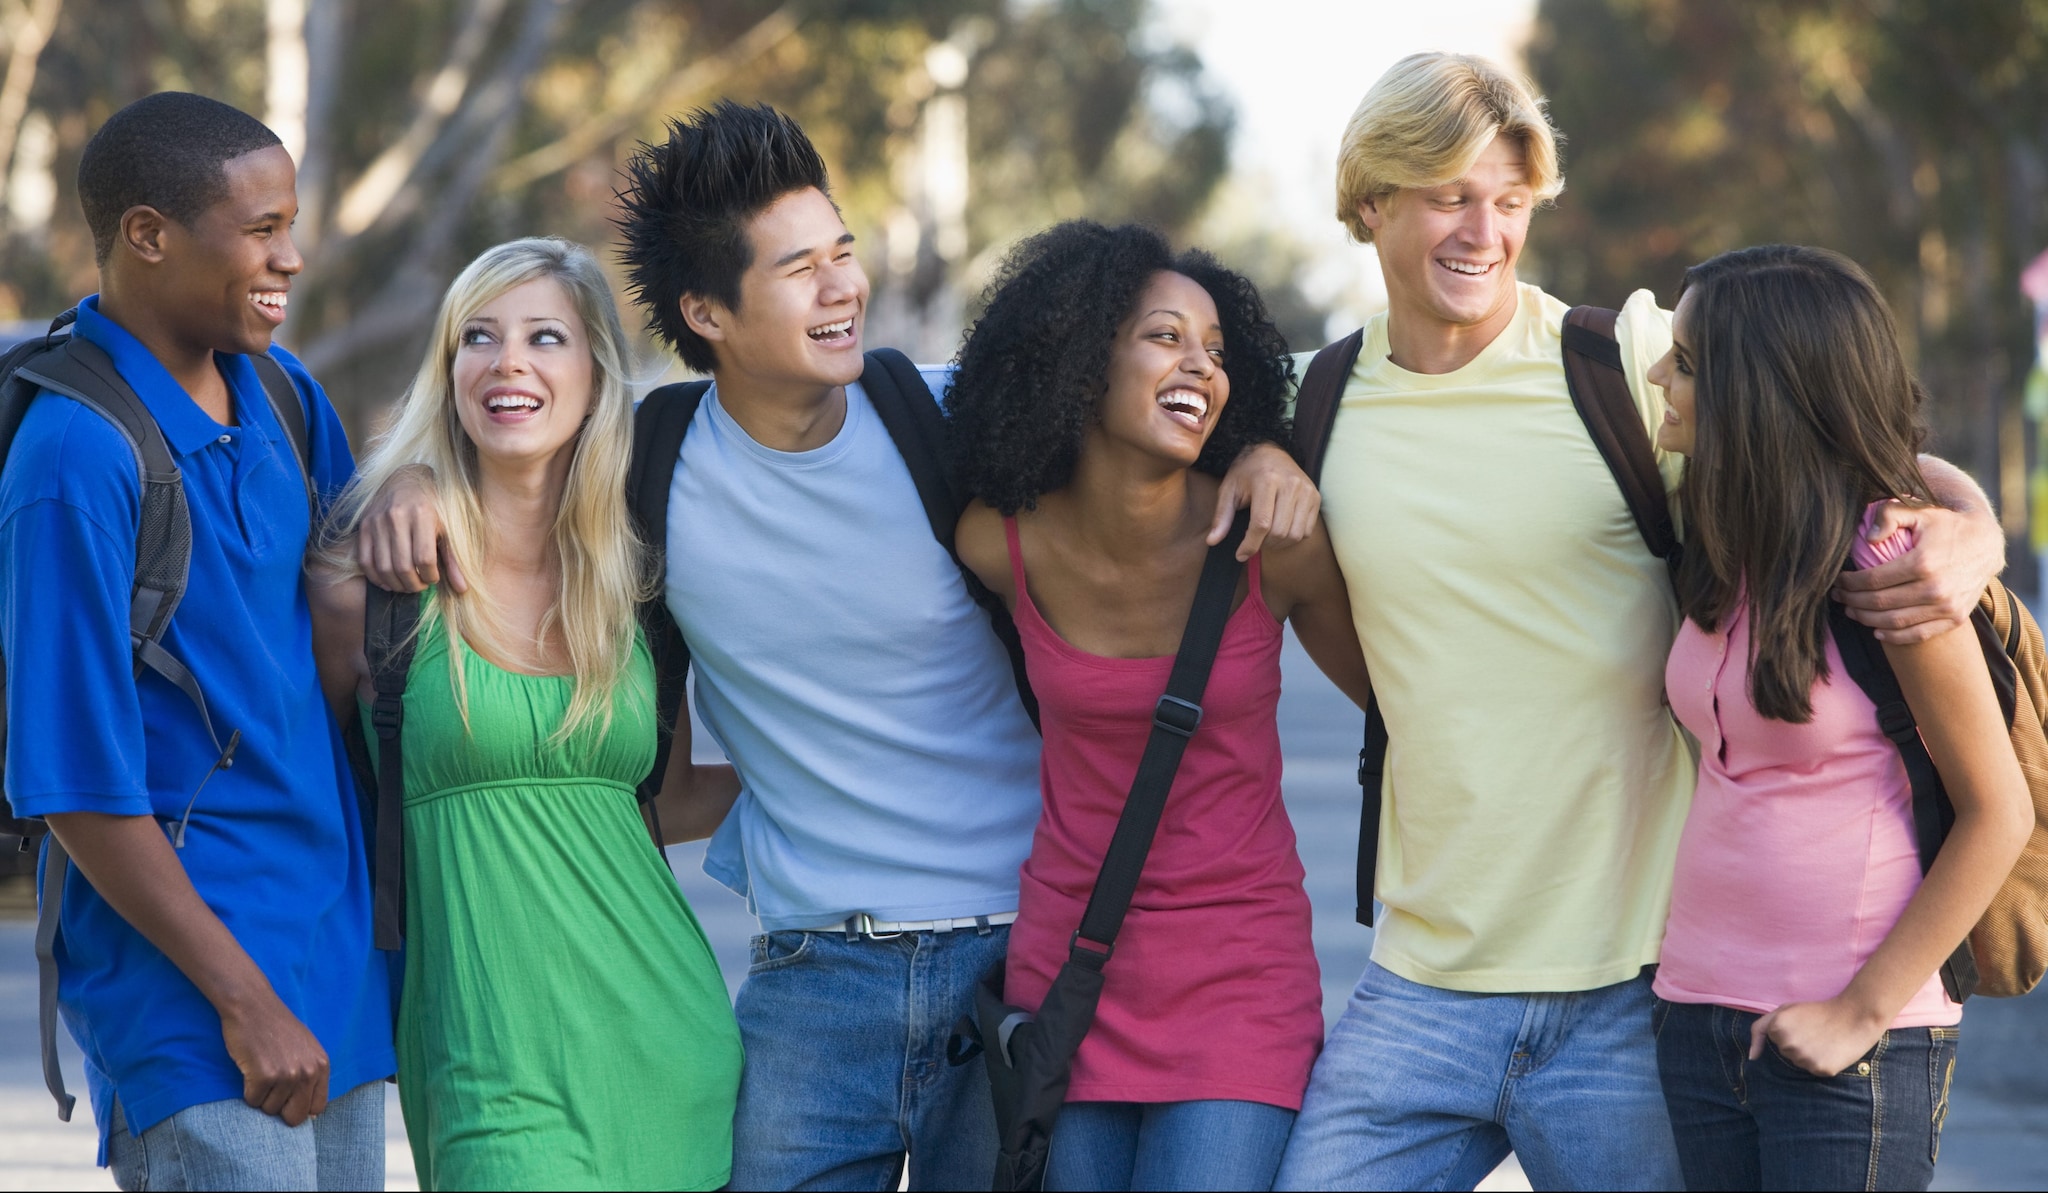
(1372, 211)
(142, 232)
(703, 316)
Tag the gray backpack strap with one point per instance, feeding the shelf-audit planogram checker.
(55, 863)
(391, 623)
(289, 408)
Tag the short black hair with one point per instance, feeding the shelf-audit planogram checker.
(164, 151)
(1035, 366)
(684, 210)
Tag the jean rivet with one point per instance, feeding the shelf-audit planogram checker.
(1863, 1069)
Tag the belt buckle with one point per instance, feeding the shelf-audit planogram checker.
(866, 927)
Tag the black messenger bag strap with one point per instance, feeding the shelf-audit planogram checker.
(1030, 1058)
(1600, 393)
(660, 423)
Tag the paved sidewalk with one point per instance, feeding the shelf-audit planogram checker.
(1996, 1138)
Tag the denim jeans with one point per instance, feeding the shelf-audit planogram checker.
(1422, 1088)
(1167, 1145)
(233, 1145)
(846, 1063)
(1769, 1124)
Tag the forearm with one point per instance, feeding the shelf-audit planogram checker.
(694, 799)
(131, 864)
(1974, 862)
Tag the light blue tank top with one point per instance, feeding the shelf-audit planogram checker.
(886, 763)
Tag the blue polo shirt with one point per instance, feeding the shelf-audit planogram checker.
(275, 843)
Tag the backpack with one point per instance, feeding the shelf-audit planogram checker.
(1600, 394)
(2007, 952)
(915, 424)
(80, 370)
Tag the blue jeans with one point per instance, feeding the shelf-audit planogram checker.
(1167, 1145)
(846, 1063)
(1769, 1124)
(233, 1145)
(1422, 1088)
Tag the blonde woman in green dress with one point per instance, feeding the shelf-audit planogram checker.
(562, 1023)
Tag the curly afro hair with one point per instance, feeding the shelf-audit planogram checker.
(1035, 366)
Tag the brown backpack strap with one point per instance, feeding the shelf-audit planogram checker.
(1592, 368)
(1316, 402)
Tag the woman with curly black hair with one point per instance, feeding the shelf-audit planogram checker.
(1097, 401)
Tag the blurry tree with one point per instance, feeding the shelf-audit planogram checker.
(1911, 135)
(428, 130)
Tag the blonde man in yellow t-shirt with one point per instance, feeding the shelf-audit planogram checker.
(1516, 627)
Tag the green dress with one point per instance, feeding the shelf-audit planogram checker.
(563, 1024)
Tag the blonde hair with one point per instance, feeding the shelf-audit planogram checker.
(605, 569)
(1427, 120)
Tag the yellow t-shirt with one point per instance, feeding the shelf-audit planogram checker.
(1516, 628)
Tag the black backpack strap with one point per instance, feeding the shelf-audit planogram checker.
(911, 415)
(1174, 721)
(659, 424)
(288, 406)
(390, 638)
(1316, 401)
(1600, 392)
(1315, 416)
(51, 907)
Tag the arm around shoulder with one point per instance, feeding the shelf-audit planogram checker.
(336, 599)
(1305, 587)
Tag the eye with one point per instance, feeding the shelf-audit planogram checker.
(1217, 352)
(472, 336)
(549, 335)
(1167, 335)
(1684, 367)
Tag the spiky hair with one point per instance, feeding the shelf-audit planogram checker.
(684, 210)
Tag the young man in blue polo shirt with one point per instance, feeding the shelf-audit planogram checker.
(234, 1017)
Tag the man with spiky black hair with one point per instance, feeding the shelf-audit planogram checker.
(213, 948)
(888, 771)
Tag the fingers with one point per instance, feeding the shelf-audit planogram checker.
(1228, 499)
(1933, 627)
(1759, 1032)
(451, 568)
(1262, 521)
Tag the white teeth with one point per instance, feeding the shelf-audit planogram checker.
(270, 298)
(831, 329)
(511, 402)
(1184, 400)
(1465, 267)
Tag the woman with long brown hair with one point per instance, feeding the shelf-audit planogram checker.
(1805, 1037)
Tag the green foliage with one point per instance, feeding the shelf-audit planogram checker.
(1910, 134)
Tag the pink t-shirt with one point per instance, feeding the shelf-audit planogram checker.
(1798, 855)
(1213, 991)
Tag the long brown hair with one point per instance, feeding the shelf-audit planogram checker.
(1805, 413)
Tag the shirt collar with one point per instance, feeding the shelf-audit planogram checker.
(186, 427)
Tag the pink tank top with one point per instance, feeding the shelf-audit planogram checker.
(1213, 991)
(1798, 855)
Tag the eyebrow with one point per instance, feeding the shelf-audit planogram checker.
(267, 217)
(522, 319)
(796, 255)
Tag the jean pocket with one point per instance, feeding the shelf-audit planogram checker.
(1941, 1070)
(1860, 1069)
(1660, 1010)
(775, 950)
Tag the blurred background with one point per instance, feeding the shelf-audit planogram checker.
(1910, 134)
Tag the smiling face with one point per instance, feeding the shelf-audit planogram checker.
(524, 376)
(1449, 252)
(1166, 385)
(224, 278)
(802, 300)
(1674, 372)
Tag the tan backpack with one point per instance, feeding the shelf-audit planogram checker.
(2007, 952)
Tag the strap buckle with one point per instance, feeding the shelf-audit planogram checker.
(1176, 716)
(1896, 722)
(1088, 956)
(386, 715)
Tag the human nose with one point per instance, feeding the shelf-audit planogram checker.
(284, 255)
(510, 359)
(843, 283)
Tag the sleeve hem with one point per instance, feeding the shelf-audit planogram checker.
(60, 802)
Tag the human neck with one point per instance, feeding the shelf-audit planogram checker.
(1125, 504)
(521, 502)
(782, 416)
(1421, 341)
(191, 366)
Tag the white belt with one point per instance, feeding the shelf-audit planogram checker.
(863, 924)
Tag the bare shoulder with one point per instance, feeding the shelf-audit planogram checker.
(979, 540)
(1306, 569)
